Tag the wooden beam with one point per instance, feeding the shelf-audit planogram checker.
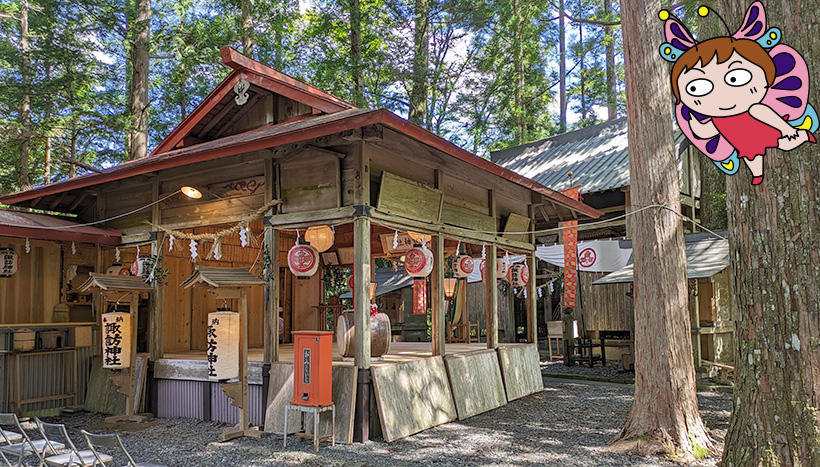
(361, 292)
(438, 303)
(306, 219)
(77, 202)
(457, 233)
(155, 333)
(35, 202)
(271, 316)
(491, 299)
(254, 100)
(243, 357)
(57, 201)
(216, 118)
(361, 185)
(532, 302)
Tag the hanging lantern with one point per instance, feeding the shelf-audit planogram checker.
(141, 266)
(450, 287)
(116, 342)
(320, 237)
(223, 345)
(501, 268)
(463, 265)
(9, 262)
(303, 260)
(418, 262)
(419, 297)
(518, 275)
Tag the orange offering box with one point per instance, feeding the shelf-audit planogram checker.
(312, 372)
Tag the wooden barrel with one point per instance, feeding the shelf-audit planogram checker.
(379, 334)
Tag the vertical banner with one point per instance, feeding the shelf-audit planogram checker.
(570, 240)
(116, 342)
(420, 297)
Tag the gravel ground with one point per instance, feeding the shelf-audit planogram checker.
(567, 424)
(611, 373)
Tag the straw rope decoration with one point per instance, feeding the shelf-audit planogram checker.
(194, 239)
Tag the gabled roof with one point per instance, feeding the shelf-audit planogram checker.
(221, 277)
(291, 132)
(220, 102)
(115, 282)
(597, 156)
(46, 227)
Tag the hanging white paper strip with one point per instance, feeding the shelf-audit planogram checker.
(194, 253)
(28, 246)
(171, 243)
(117, 254)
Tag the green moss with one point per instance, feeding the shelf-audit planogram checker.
(699, 451)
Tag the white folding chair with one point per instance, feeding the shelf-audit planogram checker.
(110, 441)
(72, 457)
(23, 446)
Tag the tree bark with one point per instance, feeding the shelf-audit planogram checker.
(665, 407)
(774, 230)
(562, 68)
(138, 99)
(357, 71)
(47, 152)
(25, 101)
(421, 46)
(247, 28)
(611, 91)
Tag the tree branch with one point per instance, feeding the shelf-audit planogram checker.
(585, 21)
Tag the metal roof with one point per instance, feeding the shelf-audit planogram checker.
(706, 255)
(46, 227)
(597, 156)
(388, 281)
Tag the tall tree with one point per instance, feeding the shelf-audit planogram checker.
(25, 101)
(665, 406)
(774, 230)
(421, 46)
(357, 68)
(611, 90)
(139, 28)
(247, 27)
(562, 68)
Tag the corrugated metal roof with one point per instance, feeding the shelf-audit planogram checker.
(597, 156)
(388, 281)
(705, 257)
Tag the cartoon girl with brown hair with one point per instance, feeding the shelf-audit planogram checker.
(737, 96)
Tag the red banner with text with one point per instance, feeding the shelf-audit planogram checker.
(570, 240)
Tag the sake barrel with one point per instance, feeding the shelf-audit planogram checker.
(379, 334)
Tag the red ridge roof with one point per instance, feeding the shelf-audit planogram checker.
(46, 227)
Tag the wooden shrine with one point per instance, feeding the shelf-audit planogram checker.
(224, 284)
(123, 289)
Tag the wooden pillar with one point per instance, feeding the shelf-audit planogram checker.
(243, 357)
(532, 302)
(155, 350)
(272, 298)
(491, 302)
(157, 304)
(132, 371)
(438, 304)
(361, 291)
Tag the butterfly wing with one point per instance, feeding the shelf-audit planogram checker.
(677, 35)
(717, 148)
(754, 23)
(788, 94)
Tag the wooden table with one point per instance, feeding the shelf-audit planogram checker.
(316, 411)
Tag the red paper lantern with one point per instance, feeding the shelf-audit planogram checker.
(303, 260)
(463, 265)
(518, 275)
(418, 262)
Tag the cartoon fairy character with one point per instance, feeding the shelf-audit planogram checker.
(737, 96)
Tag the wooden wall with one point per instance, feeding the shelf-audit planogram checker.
(604, 307)
(30, 295)
(476, 304)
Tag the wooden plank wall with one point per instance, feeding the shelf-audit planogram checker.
(476, 304)
(604, 307)
(30, 295)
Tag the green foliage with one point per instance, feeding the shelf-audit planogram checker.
(491, 78)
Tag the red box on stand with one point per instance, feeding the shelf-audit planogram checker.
(312, 368)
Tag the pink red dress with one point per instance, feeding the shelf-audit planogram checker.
(747, 134)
